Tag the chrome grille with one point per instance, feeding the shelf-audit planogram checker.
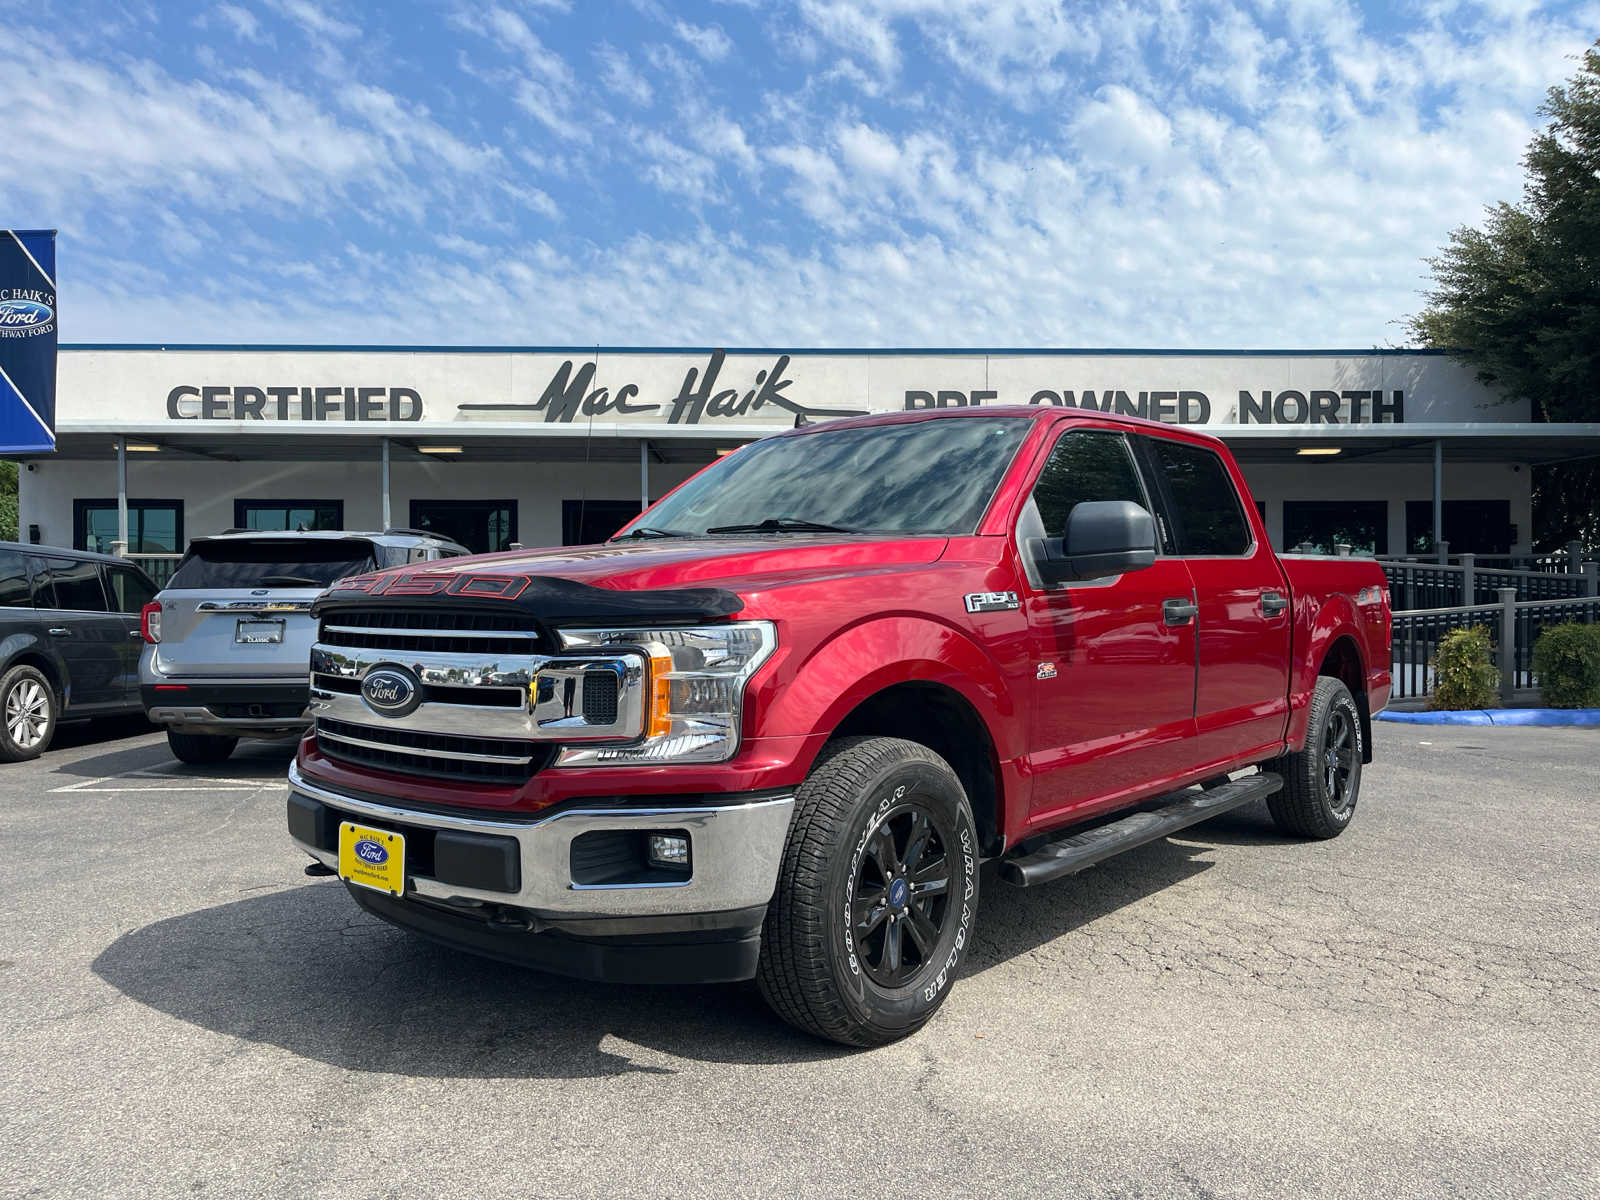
(491, 699)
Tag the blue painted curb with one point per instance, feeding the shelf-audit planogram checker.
(1498, 716)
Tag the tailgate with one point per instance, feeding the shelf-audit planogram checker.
(241, 607)
(237, 632)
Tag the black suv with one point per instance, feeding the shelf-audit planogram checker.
(69, 641)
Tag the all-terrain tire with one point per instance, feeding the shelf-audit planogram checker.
(877, 825)
(28, 713)
(1322, 782)
(200, 749)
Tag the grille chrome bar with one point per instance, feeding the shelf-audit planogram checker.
(506, 759)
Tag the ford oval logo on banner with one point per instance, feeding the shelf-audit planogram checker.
(23, 313)
(27, 341)
(391, 691)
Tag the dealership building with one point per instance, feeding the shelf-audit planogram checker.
(1381, 450)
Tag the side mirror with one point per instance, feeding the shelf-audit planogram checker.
(1103, 537)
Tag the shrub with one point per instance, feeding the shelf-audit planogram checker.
(1464, 674)
(1566, 660)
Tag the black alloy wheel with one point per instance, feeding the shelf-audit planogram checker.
(901, 896)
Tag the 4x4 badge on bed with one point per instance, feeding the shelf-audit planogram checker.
(391, 691)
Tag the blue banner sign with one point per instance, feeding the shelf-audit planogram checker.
(27, 341)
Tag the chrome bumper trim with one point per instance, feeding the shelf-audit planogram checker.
(459, 756)
(736, 852)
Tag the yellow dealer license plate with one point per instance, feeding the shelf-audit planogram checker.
(374, 858)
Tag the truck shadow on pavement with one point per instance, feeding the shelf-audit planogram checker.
(304, 970)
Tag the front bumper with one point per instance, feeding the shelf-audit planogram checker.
(235, 708)
(516, 889)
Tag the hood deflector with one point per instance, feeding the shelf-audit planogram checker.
(547, 598)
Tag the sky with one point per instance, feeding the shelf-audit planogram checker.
(931, 173)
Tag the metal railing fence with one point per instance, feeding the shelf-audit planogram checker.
(1514, 625)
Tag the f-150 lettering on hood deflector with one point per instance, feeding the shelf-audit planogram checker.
(547, 598)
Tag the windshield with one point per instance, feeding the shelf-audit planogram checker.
(280, 564)
(920, 477)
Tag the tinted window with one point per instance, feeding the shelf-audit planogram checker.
(130, 591)
(932, 476)
(302, 562)
(288, 514)
(14, 591)
(1205, 505)
(1085, 465)
(77, 584)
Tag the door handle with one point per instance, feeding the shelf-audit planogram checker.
(1272, 604)
(135, 635)
(1179, 610)
(60, 631)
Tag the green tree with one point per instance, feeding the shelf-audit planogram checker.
(8, 501)
(1519, 298)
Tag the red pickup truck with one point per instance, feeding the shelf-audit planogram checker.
(773, 727)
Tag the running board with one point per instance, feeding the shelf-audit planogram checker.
(1071, 854)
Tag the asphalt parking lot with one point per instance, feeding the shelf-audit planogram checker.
(1411, 1010)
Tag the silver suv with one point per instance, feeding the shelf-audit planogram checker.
(228, 640)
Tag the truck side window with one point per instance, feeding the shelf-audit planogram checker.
(1205, 503)
(1085, 464)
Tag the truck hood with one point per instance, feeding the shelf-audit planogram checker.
(676, 578)
(737, 564)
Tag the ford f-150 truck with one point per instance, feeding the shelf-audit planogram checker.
(774, 726)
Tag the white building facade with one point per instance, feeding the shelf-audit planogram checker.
(1380, 450)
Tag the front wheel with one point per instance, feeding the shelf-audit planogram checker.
(876, 895)
(1322, 782)
(200, 749)
(27, 714)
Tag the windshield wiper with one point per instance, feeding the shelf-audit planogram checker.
(782, 525)
(645, 531)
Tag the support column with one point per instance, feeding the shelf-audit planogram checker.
(1438, 500)
(122, 493)
(1508, 643)
(644, 474)
(384, 486)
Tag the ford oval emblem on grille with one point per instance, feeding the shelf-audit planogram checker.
(391, 691)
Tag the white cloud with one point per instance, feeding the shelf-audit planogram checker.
(708, 41)
(620, 77)
(242, 22)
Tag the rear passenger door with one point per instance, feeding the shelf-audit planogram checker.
(80, 625)
(1113, 696)
(1243, 624)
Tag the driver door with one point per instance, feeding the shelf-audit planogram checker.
(1113, 697)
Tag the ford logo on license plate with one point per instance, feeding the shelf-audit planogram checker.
(391, 691)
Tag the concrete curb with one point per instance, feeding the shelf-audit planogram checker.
(1498, 716)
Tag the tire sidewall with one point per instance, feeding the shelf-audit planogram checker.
(892, 1011)
(12, 680)
(1339, 698)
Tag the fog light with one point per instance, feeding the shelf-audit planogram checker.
(668, 851)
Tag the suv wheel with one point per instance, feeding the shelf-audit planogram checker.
(201, 749)
(876, 895)
(27, 714)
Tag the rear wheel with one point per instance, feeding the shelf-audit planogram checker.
(876, 895)
(201, 749)
(1322, 783)
(27, 714)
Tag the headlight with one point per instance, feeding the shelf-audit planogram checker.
(695, 690)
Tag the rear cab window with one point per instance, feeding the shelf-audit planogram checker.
(271, 563)
(1207, 519)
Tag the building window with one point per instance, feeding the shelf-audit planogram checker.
(1470, 526)
(587, 522)
(1363, 525)
(288, 514)
(482, 526)
(154, 526)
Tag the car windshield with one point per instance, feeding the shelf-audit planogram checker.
(932, 476)
(277, 563)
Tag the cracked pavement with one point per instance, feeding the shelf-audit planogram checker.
(1412, 1009)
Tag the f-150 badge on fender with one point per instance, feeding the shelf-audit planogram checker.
(981, 602)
